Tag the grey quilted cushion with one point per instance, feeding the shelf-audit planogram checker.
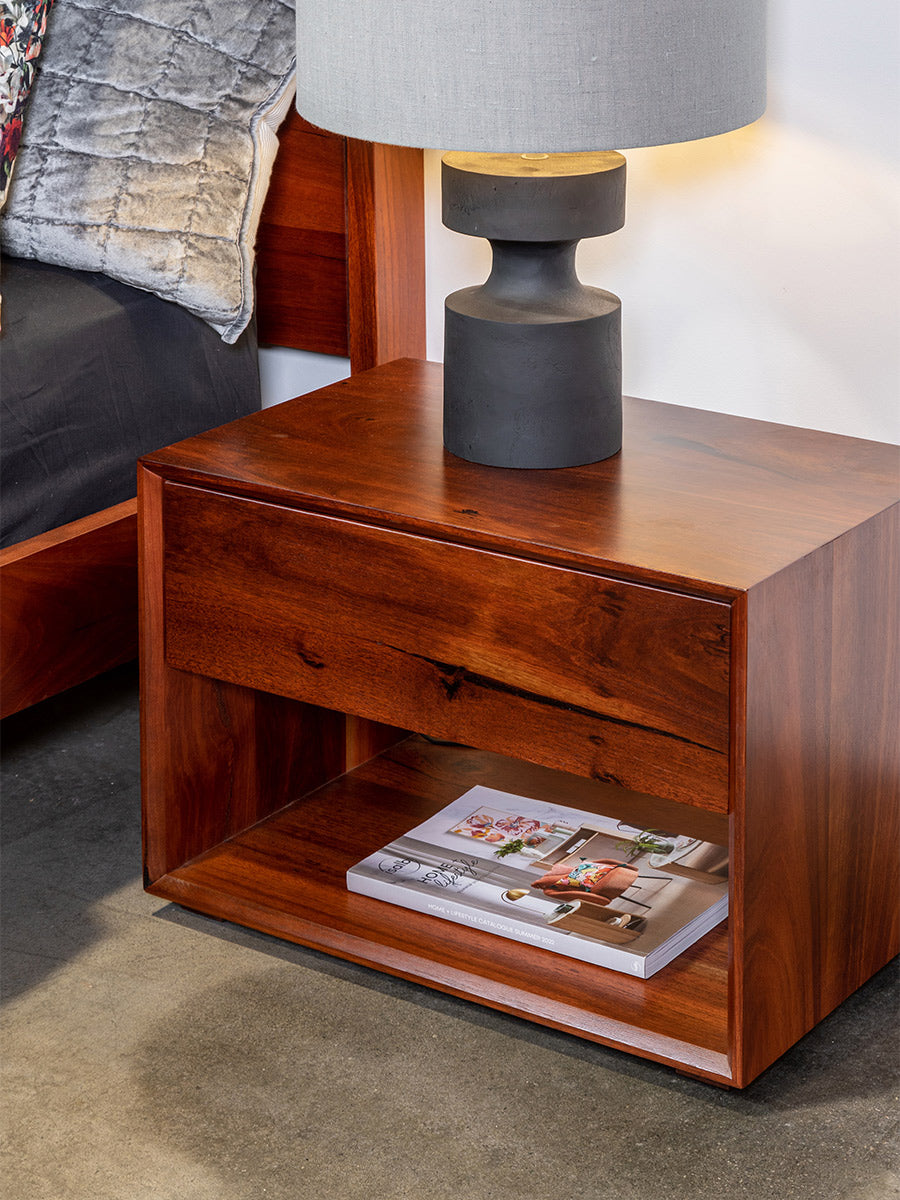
(148, 144)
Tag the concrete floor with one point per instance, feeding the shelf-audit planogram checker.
(149, 1053)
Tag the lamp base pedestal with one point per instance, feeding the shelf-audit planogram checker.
(532, 357)
(527, 393)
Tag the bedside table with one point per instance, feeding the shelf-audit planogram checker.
(701, 630)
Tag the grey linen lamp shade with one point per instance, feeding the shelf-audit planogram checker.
(530, 75)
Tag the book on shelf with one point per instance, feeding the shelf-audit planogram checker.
(572, 882)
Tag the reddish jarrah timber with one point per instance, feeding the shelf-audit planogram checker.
(68, 606)
(699, 634)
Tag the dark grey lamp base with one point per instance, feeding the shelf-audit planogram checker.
(532, 357)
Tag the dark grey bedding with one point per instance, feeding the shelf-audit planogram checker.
(93, 374)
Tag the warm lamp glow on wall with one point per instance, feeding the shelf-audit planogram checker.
(536, 97)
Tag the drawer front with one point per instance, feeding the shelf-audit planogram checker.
(596, 676)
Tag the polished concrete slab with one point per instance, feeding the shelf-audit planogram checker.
(150, 1053)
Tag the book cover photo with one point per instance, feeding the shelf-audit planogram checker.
(572, 882)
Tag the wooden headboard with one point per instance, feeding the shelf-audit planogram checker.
(341, 270)
(340, 251)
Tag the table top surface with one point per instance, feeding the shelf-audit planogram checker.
(695, 500)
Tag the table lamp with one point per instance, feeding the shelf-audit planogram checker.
(533, 99)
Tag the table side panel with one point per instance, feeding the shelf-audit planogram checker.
(860, 880)
(597, 676)
(816, 855)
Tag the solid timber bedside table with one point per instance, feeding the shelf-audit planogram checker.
(703, 627)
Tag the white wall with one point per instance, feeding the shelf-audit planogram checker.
(285, 373)
(759, 271)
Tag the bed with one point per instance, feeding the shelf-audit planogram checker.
(339, 269)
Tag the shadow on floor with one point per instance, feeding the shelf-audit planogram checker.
(71, 825)
(854, 1052)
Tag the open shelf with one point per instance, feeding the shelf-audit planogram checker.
(286, 876)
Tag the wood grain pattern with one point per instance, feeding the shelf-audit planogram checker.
(340, 249)
(385, 253)
(304, 305)
(308, 182)
(331, 551)
(697, 501)
(301, 247)
(861, 896)
(455, 642)
(69, 606)
(774, 910)
(215, 758)
(817, 905)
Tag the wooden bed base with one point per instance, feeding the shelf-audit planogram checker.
(341, 270)
(68, 607)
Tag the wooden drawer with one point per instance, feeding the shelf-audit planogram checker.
(604, 678)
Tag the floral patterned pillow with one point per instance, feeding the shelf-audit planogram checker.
(23, 24)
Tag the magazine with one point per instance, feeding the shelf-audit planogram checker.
(572, 882)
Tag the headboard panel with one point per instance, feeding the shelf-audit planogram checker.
(340, 249)
(301, 247)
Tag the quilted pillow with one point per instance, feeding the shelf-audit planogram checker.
(149, 145)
